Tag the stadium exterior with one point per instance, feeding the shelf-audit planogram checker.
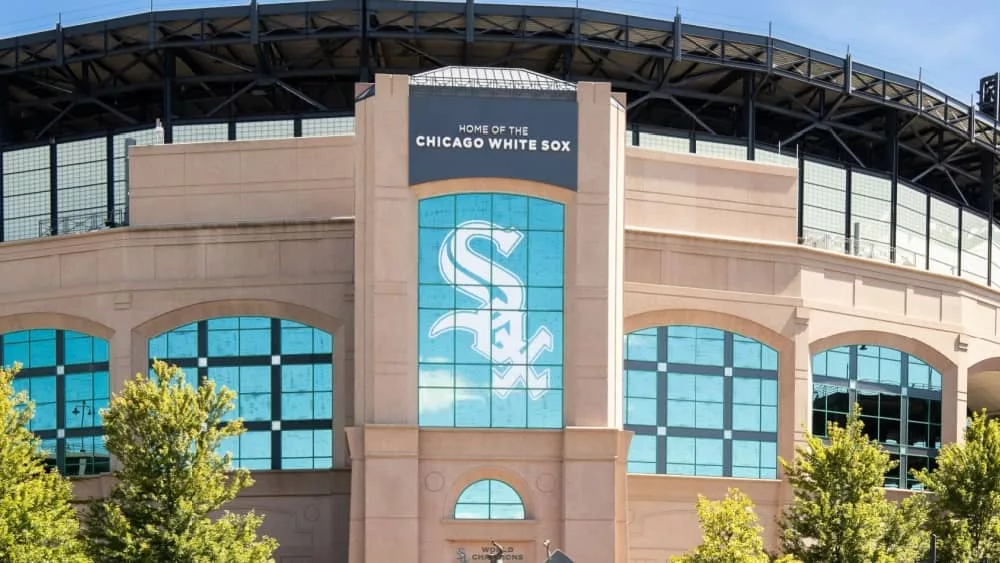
(484, 272)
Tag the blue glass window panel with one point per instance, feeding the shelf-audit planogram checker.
(768, 419)
(223, 324)
(297, 340)
(254, 450)
(641, 384)
(510, 411)
(832, 363)
(441, 348)
(301, 449)
(643, 449)
(682, 414)
(79, 349)
(472, 408)
(182, 345)
(747, 417)
(323, 377)
(322, 406)
(746, 454)
(249, 323)
(436, 375)
(746, 390)
(41, 389)
(546, 411)
(746, 353)
(429, 249)
(45, 417)
(545, 215)
(254, 407)
(255, 379)
(42, 353)
(79, 387)
(545, 259)
(158, 346)
(709, 415)
(437, 406)
(14, 352)
(641, 347)
(681, 386)
(477, 376)
(472, 511)
(438, 297)
(437, 212)
(489, 499)
(515, 262)
(510, 211)
(297, 378)
(473, 206)
(709, 388)
(502, 493)
(552, 323)
(769, 392)
(680, 450)
(256, 342)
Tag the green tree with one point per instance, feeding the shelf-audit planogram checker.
(964, 501)
(37, 521)
(839, 513)
(731, 532)
(166, 432)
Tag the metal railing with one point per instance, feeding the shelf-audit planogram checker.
(82, 223)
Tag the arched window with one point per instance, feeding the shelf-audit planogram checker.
(282, 372)
(900, 397)
(490, 313)
(489, 499)
(66, 375)
(701, 401)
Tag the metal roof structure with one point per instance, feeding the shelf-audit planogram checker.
(494, 78)
(298, 59)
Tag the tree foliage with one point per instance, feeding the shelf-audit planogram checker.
(166, 432)
(732, 533)
(37, 521)
(840, 513)
(964, 504)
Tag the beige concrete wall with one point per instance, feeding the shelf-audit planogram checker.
(710, 196)
(280, 179)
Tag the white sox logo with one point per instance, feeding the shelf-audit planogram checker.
(499, 324)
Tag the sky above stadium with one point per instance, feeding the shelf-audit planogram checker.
(950, 45)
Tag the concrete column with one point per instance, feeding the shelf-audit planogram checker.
(594, 256)
(595, 512)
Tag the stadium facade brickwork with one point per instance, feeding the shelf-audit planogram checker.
(566, 344)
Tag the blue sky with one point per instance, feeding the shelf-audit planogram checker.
(951, 44)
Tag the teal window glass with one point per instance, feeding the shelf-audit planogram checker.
(490, 316)
(900, 398)
(65, 374)
(489, 499)
(282, 372)
(701, 401)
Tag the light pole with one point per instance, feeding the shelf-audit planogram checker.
(84, 411)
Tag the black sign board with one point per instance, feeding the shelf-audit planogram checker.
(459, 134)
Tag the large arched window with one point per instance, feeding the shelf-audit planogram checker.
(701, 401)
(283, 374)
(489, 499)
(490, 338)
(900, 397)
(66, 375)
